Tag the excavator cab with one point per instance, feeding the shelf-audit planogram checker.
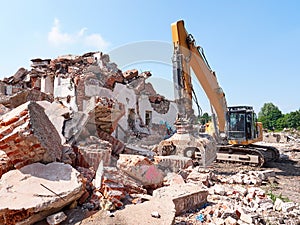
(242, 125)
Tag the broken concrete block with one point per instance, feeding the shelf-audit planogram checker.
(265, 174)
(57, 114)
(185, 196)
(219, 189)
(129, 74)
(36, 191)
(201, 178)
(230, 221)
(114, 185)
(28, 95)
(172, 163)
(27, 136)
(141, 169)
(288, 206)
(246, 216)
(173, 179)
(56, 218)
(93, 150)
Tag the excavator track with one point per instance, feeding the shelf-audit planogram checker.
(254, 155)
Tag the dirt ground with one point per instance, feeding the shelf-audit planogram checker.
(286, 182)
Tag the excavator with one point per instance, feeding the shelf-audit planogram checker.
(233, 132)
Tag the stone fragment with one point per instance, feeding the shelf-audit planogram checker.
(57, 114)
(265, 174)
(36, 191)
(230, 221)
(201, 178)
(219, 189)
(278, 204)
(141, 169)
(155, 214)
(287, 206)
(173, 179)
(129, 74)
(56, 218)
(246, 216)
(5, 163)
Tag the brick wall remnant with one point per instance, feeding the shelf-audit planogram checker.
(28, 136)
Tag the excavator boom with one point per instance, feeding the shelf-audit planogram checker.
(193, 57)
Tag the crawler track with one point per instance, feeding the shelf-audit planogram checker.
(255, 155)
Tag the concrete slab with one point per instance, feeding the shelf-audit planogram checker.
(36, 191)
(184, 196)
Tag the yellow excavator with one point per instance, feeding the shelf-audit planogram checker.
(234, 129)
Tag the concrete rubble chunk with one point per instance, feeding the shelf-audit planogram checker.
(173, 179)
(36, 191)
(27, 95)
(246, 216)
(93, 150)
(141, 169)
(184, 196)
(288, 206)
(129, 74)
(27, 136)
(278, 204)
(114, 185)
(56, 218)
(173, 163)
(57, 114)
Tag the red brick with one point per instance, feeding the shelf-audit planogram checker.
(4, 146)
(11, 120)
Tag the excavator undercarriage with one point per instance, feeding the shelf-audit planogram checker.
(254, 155)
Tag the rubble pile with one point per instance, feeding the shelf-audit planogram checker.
(239, 199)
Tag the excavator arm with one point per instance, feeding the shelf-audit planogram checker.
(187, 55)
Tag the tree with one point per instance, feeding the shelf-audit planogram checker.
(268, 115)
(293, 119)
(205, 118)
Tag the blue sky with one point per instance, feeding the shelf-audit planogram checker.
(252, 45)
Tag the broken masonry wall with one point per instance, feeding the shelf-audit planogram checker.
(128, 98)
(47, 84)
(28, 136)
(64, 90)
(157, 118)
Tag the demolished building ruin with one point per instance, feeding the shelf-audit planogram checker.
(85, 112)
(77, 110)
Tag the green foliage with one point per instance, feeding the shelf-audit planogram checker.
(268, 115)
(272, 118)
(273, 197)
(205, 118)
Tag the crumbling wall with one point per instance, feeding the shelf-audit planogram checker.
(28, 136)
